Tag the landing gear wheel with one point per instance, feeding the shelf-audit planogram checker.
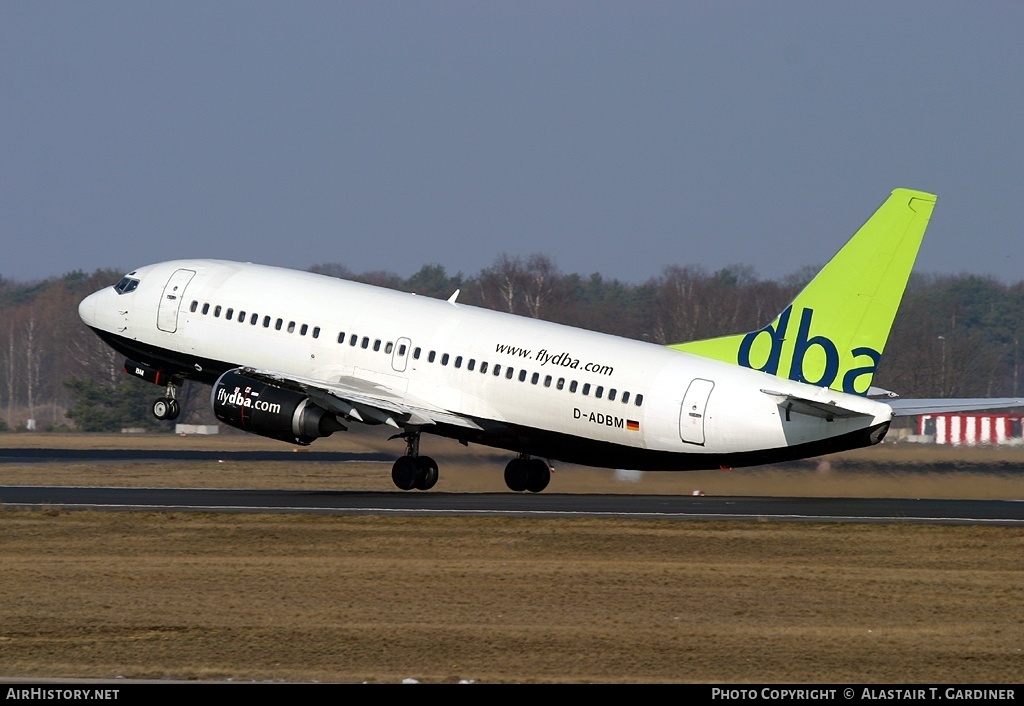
(162, 408)
(412, 470)
(538, 475)
(525, 473)
(404, 473)
(427, 476)
(516, 474)
(167, 407)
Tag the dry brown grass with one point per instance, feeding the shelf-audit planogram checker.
(342, 599)
(301, 598)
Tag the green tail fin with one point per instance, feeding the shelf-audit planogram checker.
(834, 332)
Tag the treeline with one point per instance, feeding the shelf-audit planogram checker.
(954, 335)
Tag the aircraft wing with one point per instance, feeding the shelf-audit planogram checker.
(364, 401)
(941, 405)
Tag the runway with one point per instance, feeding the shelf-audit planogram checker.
(653, 507)
(440, 503)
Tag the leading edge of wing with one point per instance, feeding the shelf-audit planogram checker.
(364, 401)
(941, 405)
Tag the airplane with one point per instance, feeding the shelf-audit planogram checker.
(297, 356)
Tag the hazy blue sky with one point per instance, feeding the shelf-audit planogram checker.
(614, 137)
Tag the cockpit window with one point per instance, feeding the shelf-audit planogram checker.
(127, 284)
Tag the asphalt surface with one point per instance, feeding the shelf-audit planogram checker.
(660, 507)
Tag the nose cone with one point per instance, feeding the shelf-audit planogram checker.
(87, 309)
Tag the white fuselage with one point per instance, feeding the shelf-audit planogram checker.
(642, 403)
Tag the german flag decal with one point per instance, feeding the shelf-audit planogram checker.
(632, 425)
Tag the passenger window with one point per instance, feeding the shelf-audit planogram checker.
(206, 308)
(560, 384)
(341, 337)
(534, 378)
(509, 372)
(572, 386)
(483, 367)
(241, 317)
(253, 319)
(366, 342)
(599, 392)
(497, 369)
(388, 347)
(639, 400)
(291, 327)
(278, 324)
(458, 361)
(547, 381)
(522, 376)
(444, 359)
(216, 311)
(316, 332)
(229, 314)
(353, 340)
(195, 305)
(586, 388)
(611, 395)
(402, 349)
(376, 345)
(416, 353)
(625, 397)
(266, 322)
(471, 365)
(431, 356)
(304, 329)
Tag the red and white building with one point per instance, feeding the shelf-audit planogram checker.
(971, 429)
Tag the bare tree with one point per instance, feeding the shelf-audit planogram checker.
(33, 364)
(9, 368)
(498, 286)
(540, 279)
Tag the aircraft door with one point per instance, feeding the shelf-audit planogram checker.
(400, 356)
(691, 416)
(170, 302)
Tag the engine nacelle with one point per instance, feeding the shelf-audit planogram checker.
(261, 408)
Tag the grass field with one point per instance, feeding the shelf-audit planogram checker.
(496, 600)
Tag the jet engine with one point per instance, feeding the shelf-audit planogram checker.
(261, 408)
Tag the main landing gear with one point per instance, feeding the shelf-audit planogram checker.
(525, 473)
(167, 407)
(412, 470)
(420, 472)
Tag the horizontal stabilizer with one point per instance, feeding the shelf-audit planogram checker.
(826, 409)
(941, 405)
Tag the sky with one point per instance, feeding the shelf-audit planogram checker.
(612, 137)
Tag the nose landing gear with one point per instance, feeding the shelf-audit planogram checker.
(166, 408)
